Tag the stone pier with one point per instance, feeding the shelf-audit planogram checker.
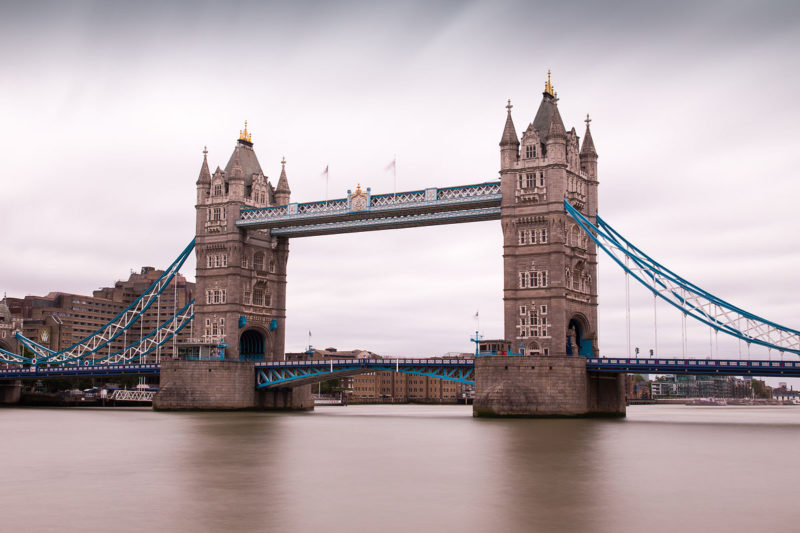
(10, 392)
(221, 385)
(542, 386)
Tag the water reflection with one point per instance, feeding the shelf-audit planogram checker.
(397, 468)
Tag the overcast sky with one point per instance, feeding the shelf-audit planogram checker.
(106, 107)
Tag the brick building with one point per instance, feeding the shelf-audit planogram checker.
(59, 320)
(386, 386)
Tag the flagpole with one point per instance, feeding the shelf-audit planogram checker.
(394, 172)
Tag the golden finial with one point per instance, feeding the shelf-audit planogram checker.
(548, 86)
(358, 189)
(244, 135)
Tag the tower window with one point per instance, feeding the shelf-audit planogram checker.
(530, 180)
(258, 262)
(543, 235)
(218, 189)
(529, 152)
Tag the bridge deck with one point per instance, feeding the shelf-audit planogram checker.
(281, 373)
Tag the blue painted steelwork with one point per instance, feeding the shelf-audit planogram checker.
(133, 352)
(35, 372)
(10, 357)
(115, 327)
(684, 295)
(395, 210)
(296, 373)
(730, 367)
(390, 222)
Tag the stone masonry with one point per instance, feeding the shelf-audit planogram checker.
(544, 386)
(221, 385)
(241, 275)
(550, 265)
(549, 277)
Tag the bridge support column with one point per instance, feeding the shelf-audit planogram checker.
(221, 385)
(541, 386)
(10, 392)
(297, 398)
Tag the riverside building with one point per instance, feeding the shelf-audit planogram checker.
(59, 319)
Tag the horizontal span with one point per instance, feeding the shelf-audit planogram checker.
(366, 206)
(732, 367)
(391, 222)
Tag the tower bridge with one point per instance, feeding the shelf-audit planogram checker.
(546, 202)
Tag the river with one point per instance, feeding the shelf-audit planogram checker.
(393, 468)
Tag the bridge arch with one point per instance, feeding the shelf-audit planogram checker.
(580, 336)
(253, 344)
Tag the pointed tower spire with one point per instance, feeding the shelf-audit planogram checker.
(588, 143)
(556, 128)
(509, 132)
(282, 192)
(588, 153)
(236, 169)
(205, 175)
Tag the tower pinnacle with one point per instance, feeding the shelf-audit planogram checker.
(509, 132)
(205, 175)
(244, 135)
(282, 191)
(548, 86)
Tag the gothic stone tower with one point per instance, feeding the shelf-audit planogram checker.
(550, 278)
(550, 265)
(241, 275)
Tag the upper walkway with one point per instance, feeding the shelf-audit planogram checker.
(363, 211)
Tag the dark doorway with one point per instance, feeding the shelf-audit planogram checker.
(576, 343)
(251, 346)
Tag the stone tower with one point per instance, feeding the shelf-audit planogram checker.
(241, 275)
(550, 265)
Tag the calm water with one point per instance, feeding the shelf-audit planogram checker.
(399, 468)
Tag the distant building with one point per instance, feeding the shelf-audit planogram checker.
(384, 385)
(691, 386)
(783, 394)
(59, 320)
